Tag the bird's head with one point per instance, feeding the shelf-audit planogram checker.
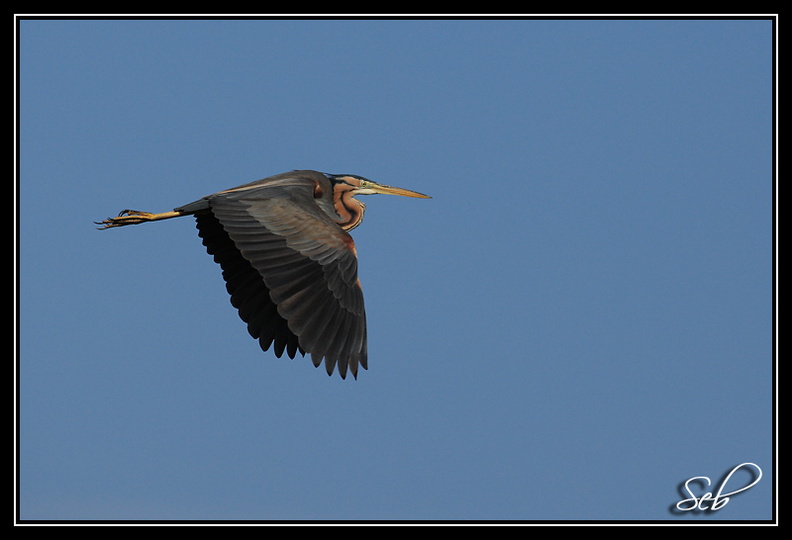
(357, 185)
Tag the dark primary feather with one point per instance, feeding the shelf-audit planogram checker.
(290, 269)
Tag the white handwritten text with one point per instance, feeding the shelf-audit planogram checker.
(719, 499)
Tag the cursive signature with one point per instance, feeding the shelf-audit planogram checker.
(719, 499)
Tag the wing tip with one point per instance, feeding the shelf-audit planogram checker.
(344, 366)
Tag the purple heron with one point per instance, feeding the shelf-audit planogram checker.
(288, 260)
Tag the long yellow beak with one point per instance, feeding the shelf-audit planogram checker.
(368, 187)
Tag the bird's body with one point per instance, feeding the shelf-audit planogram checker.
(289, 263)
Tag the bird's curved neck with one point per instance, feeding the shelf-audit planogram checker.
(350, 210)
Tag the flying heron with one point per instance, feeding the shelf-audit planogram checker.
(288, 260)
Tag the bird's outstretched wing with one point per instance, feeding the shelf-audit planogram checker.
(290, 269)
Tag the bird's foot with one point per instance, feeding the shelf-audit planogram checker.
(125, 217)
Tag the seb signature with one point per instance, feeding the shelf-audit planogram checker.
(708, 501)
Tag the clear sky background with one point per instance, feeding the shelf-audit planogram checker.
(577, 322)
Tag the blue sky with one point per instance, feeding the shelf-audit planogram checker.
(577, 322)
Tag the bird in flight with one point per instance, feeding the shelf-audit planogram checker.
(288, 260)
